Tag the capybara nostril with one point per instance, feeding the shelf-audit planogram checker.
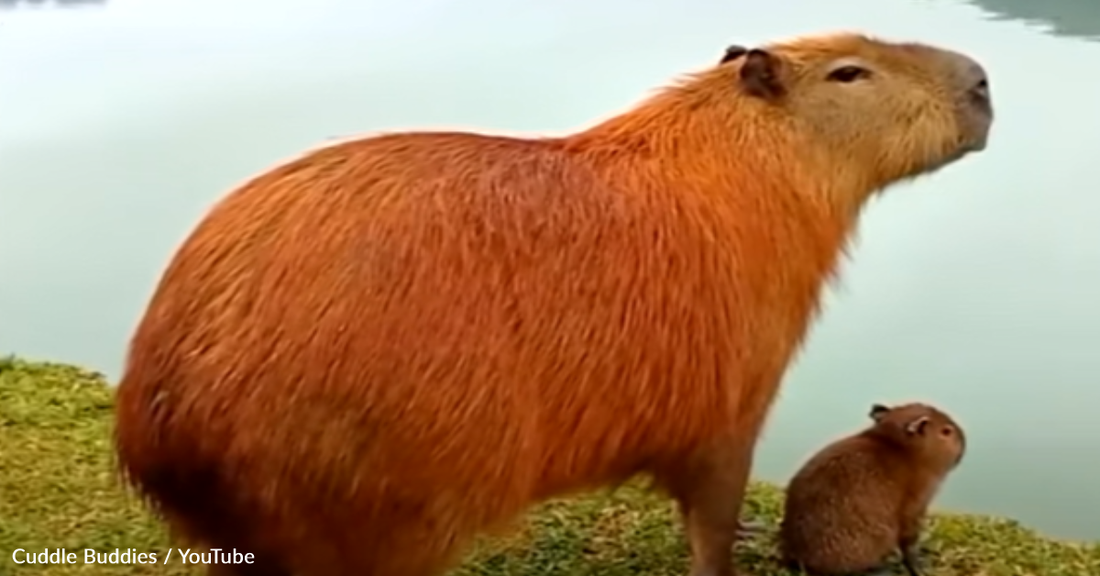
(981, 87)
(974, 80)
(979, 94)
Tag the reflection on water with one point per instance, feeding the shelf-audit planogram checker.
(1062, 17)
(972, 288)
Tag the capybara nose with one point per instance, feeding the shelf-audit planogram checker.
(975, 81)
(975, 102)
(979, 88)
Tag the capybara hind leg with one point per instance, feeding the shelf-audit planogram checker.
(710, 487)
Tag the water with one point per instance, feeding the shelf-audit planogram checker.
(123, 121)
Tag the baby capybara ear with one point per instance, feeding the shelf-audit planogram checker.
(878, 411)
(761, 74)
(733, 52)
(917, 426)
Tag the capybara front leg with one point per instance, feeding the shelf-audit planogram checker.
(909, 543)
(709, 487)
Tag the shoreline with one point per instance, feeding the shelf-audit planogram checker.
(56, 460)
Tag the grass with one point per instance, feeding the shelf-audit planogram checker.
(58, 490)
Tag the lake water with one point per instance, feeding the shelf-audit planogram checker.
(122, 122)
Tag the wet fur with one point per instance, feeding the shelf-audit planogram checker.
(863, 498)
(361, 358)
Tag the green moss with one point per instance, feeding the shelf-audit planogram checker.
(58, 490)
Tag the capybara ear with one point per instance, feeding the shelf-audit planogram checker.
(878, 411)
(917, 426)
(760, 74)
(733, 52)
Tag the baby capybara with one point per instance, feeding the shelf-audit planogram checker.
(864, 497)
(362, 358)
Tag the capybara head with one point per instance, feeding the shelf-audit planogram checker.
(935, 436)
(898, 109)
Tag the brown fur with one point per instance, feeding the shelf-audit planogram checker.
(864, 497)
(362, 358)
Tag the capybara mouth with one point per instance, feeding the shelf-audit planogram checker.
(977, 142)
(980, 139)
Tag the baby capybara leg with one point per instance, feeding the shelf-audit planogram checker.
(910, 556)
(909, 544)
(709, 487)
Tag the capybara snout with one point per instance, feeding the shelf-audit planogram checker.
(968, 82)
(975, 101)
(933, 434)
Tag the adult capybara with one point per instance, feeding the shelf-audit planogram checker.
(362, 358)
(864, 497)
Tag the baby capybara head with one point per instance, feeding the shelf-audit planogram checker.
(931, 434)
(899, 109)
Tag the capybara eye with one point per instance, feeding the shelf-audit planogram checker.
(848, 74)
(947, 431)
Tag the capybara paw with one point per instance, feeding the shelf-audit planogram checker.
(750, 529)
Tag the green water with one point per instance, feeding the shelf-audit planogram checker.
(122, 122)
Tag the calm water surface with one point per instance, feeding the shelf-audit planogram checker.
(121, 124)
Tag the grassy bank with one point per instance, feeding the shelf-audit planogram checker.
(57, 490)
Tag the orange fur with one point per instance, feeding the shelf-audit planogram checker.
(365, 356)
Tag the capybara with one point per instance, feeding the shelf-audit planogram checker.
(864, 497)
(364, 357)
